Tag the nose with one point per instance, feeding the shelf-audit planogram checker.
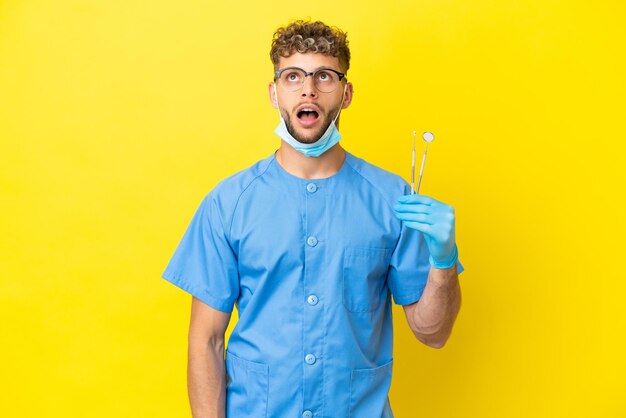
(308, 89)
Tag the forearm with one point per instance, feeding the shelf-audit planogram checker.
(436, 311)
(206, 379)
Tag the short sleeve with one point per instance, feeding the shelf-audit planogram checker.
(204, 264)
(409, 267)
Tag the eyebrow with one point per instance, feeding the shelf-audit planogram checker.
(324, 68)
(317, 69)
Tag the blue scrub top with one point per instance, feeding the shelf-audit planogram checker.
(311, 266)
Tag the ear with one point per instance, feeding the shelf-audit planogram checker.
(348, 95)
(272, 93)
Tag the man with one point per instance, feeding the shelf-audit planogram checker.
(310, 244)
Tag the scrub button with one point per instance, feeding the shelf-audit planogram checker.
(311, 187)
(307, 414)
(312, 241)
(312, 300)
(310, 359)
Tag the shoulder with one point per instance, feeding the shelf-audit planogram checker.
(225, 195)
(388, 184)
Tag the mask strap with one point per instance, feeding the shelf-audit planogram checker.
(343, 96)
(276, 96)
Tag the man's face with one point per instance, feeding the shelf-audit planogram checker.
(308, 127)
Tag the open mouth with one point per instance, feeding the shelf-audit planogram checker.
(307, 116)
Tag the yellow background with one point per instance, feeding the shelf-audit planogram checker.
(117, 117)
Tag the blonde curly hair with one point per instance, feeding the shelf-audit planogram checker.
(305, 36)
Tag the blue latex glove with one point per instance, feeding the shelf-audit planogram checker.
(436, 221)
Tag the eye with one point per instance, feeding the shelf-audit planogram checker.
(292, 76)
(324, 76)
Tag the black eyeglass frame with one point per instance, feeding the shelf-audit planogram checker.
(278, 73)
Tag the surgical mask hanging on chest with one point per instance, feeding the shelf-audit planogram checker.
(329, 138)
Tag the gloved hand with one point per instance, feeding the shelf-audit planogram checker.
(436, 221)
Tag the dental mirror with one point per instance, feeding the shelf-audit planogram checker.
(428, 138)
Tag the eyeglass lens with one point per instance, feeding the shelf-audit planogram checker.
(324, 80)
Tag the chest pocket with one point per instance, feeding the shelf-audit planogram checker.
(365, 278)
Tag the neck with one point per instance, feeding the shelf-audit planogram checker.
(310, 168)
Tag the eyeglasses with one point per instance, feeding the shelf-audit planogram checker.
(325, 80)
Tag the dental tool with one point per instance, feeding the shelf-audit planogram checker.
(428, 137)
